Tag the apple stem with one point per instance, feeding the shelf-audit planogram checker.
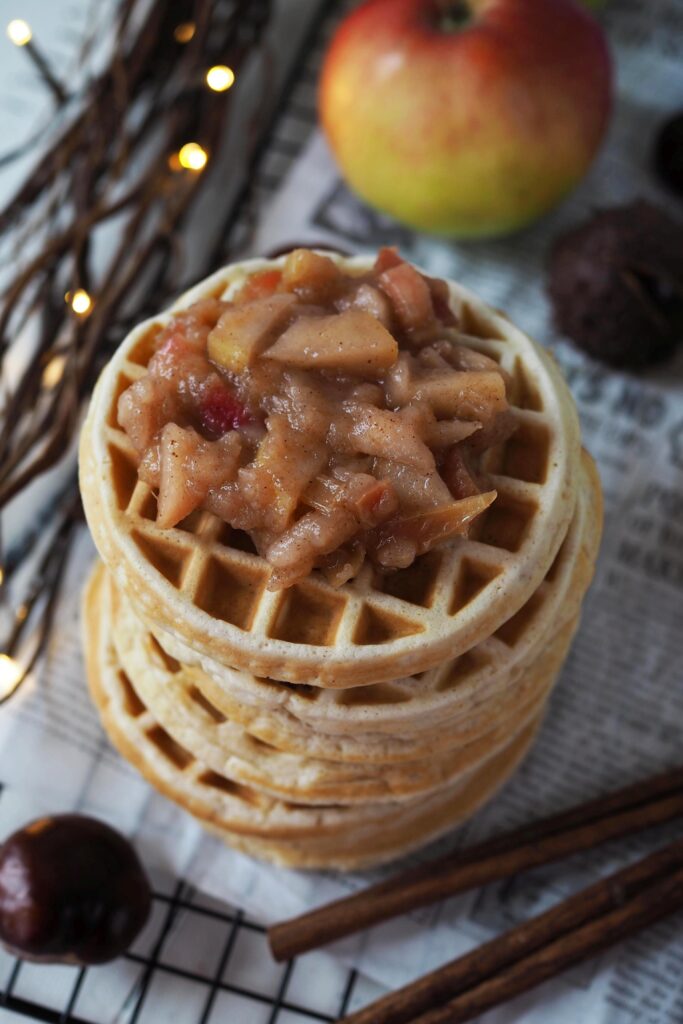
(455, 14)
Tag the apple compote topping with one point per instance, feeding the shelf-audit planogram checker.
(334, 416)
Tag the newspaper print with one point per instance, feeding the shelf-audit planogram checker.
(617, 711)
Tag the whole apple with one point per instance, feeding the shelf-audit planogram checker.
(470, 118)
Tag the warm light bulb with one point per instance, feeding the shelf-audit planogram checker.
(192, 156)
(19, 31)
(54, 371)
(184, 32)
(220, 78)
(10, 675)
(79, 301)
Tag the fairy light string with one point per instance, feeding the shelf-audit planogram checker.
(135, 148)
(19, 32)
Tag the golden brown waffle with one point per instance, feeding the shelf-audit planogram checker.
(419, 716)
(203, 582)
(396, 838)
(168, 691)
(288, 833)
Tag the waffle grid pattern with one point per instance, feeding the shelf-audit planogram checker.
(297, 835)
(420, 697)
(217, 570)
(218, 800)
(185, 723)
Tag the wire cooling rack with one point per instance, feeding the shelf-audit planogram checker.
(199, 960)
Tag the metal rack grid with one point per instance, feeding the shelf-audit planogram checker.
(200, 960)
(196, 960)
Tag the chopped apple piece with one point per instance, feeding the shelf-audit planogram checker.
(359, 501)
(294, 553)
(467, 395)
(283, 467)
(458, 474)
(376, 503)
(140, 412)
(243, 331)
(416, 491)
(352, 342)
(305, 407)
(313, 277)
(370, 300)
(398, 381)
(388, 435)
(189, 467)
(410, 296)
(441, 302)
(259, 285)
(426, 529)
(498, 429)
(462, 357)
(343, 564)
(444, 433)
(387, 257)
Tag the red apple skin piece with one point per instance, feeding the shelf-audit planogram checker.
(471, 132)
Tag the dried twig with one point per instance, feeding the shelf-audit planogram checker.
(114, 160)
(149, 101)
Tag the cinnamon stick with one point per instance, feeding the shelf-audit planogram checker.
(654, 903)
(468, 973)
(632, 809)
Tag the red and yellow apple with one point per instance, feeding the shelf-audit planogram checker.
(468, 118)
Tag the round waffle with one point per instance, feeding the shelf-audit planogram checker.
(229, 749)
(203, 583)
(290, 834)
(415, 717)
(397, 838)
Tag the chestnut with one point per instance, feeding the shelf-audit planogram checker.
(668, 153)
(72, 890)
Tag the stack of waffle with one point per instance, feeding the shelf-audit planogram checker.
(322, 727)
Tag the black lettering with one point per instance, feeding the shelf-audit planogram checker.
(647, 409)
(592, 387)
(628, 552)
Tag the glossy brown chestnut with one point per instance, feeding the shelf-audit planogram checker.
(72, 890)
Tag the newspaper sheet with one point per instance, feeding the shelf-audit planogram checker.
(617, 712)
